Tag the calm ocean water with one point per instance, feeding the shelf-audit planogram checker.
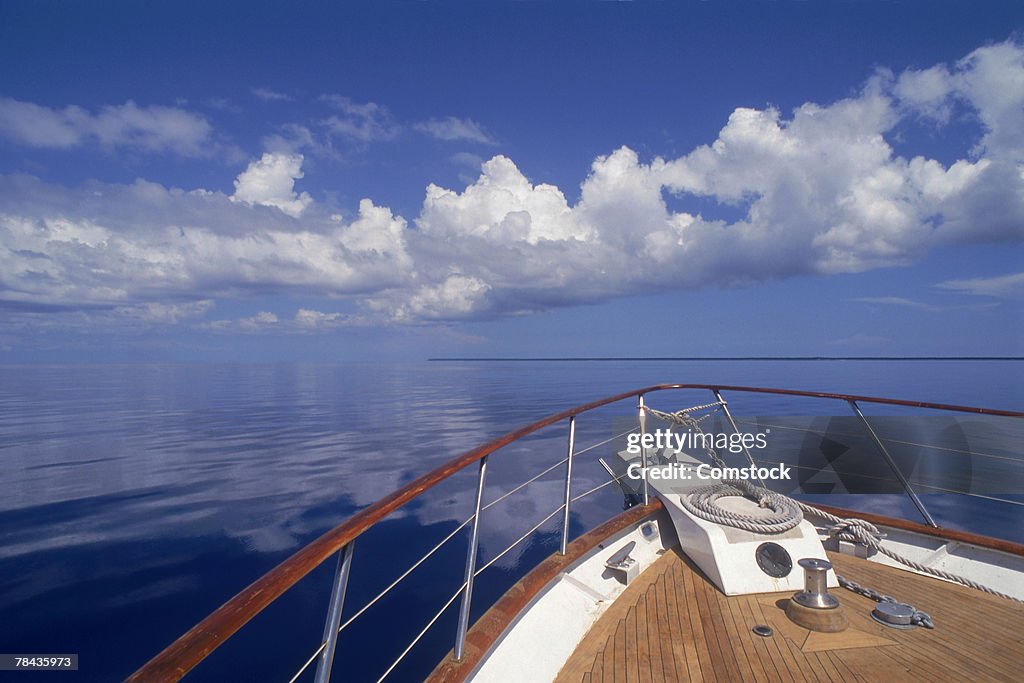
(137, 498)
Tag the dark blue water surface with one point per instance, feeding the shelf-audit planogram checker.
(138, 498)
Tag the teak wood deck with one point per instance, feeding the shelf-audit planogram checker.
(672, 624)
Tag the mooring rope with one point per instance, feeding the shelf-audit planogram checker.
(863, 532)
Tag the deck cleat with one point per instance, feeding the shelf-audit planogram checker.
(624, 564)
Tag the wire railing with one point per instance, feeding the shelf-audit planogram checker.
(561, 508)
(613, 480)
(884, 480)
(423, 632)
(889, 440)
(182, 655)
(918, 482)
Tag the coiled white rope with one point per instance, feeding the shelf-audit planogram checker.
(780, 513)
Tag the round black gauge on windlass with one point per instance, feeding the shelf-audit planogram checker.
(773, 560)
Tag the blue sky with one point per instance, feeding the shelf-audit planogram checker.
(240, 181)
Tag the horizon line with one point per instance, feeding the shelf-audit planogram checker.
(715, 358)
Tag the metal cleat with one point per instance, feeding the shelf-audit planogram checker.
(622, 562)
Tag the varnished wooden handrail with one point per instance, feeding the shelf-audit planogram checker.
(842, 397)
(198, 642)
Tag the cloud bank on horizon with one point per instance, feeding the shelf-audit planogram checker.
(821, 191)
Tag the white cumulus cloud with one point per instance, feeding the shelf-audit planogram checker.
(818, 190)
(502, 205)
(454, 298)
(127, 245)
(270, 181)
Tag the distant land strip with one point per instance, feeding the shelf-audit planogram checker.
(723, 358)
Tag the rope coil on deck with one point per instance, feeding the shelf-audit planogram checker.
(780, 514)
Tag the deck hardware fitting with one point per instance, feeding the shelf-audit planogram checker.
(621, 561)
(814, 608)
(894, 615)
(815, 593)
